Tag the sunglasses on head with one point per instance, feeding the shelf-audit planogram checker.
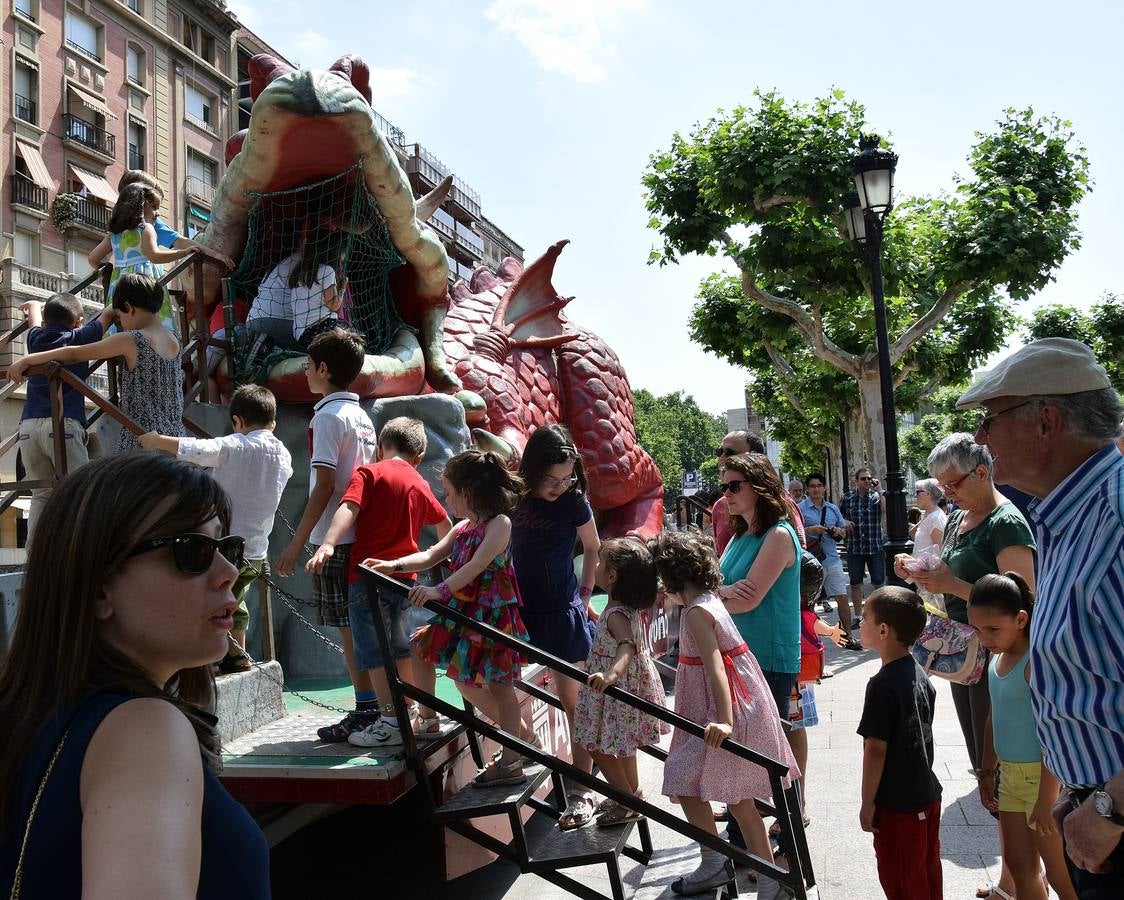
(732, 487)
(194, 553)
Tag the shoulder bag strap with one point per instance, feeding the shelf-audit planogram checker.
(18, 877)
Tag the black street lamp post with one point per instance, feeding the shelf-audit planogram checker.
(866, 211)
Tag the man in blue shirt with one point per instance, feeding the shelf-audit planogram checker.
(825, 526)
(1051, 419)
(57, 323)
(862, 508)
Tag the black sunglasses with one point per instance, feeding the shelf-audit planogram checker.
(194, 552)
(725, 451)
(732, 487)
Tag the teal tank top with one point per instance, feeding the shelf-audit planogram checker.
(1012, 720)
(772, 630)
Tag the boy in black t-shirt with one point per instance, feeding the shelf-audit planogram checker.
(901, 799)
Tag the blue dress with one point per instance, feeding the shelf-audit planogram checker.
(234, 858)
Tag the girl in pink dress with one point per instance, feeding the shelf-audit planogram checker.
(718, 684)
(610, 730)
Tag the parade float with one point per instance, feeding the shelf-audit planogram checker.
(483, 362)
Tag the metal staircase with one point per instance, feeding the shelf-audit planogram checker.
(546, 854)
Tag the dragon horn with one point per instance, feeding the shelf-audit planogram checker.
(424, 207)
(491, 443)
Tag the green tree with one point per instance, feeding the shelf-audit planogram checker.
(762, 185)
(679, 436)
(917, 441)
(1102, 328)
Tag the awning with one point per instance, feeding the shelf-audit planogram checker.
(35, 164)
(199, 213)
(95, 184)
(91, 101)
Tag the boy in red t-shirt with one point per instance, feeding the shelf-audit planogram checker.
(389, 503)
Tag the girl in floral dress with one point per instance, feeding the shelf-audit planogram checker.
(132, 241)
(480, 490)
(610, 730)
(718, 684)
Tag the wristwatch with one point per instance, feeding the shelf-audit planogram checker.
(1105, 807)
(399, 565)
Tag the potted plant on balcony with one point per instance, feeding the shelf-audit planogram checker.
(64, 211)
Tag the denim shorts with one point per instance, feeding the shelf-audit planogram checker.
(876, 562)
(396, 616)
(835, 579)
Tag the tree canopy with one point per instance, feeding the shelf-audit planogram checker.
(762, 185)
(679, 436)
(1102, 328)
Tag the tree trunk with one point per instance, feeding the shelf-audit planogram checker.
(856, 452)
(870, 400)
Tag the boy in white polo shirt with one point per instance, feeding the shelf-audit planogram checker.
(253, 467)
(342, 439)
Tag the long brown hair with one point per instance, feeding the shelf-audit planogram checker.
(762, 478)
(88, 528)
(128, 212)
(489, 486)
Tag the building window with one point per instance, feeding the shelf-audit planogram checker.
(134, 64)
(25, 247)
(138, 140)
(134, 5)
(29, 9)
(83, 35)
(202, 176)
(78, 263)
(198, 40)
(200, 107)
(27, 92)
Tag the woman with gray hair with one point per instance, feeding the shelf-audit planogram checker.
(985, 535)
(928, 537)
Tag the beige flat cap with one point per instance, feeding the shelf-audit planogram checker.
(1050, 366)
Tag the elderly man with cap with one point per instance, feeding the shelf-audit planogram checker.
(1051, 420)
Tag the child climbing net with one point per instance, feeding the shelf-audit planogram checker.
(313, 253)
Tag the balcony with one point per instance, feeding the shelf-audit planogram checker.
(26, 109)
(78, 48)
(200, 189)
(136, 158)
(89, 214)
(469, 241)
(394, 134)
(89, 135)
(26, 192)
(465, 200)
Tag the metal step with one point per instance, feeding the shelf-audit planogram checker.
(557, 849)
(471, 802)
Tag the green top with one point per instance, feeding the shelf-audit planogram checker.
(772, 630)
(972, 555)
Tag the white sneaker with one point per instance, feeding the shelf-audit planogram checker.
(381, 735)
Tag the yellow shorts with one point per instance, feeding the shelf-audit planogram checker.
(1018, 786)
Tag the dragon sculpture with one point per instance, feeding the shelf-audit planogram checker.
(502, 343)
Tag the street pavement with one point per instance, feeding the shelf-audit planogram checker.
(842, 854)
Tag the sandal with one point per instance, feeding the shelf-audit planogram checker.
(578, 814)
(616, 814)
(427, 728)
(499, 774)
(523, 760)
(993, 892)
(775, 829)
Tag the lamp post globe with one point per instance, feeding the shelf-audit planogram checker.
(865, 211)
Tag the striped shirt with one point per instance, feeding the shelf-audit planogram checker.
(1077, 631)
(866, 514)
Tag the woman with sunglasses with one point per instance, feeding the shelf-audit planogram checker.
(985, 535)
(552, 517)
(107, 770)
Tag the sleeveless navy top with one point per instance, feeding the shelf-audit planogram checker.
(234, 857)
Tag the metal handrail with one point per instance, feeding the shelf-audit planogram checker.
(793, 842)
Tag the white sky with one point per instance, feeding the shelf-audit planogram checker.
(551, 108)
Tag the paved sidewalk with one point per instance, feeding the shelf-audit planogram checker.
(842, 854)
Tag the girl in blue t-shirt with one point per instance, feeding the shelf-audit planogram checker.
(999, 609)
(552, 517)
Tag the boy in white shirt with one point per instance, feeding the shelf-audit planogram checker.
(253, 467)
(342, 439)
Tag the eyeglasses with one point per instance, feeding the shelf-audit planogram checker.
(732, 487)
(194, 553)
(986, 421)
(725, 451)
(952, 485)
(559, 482)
